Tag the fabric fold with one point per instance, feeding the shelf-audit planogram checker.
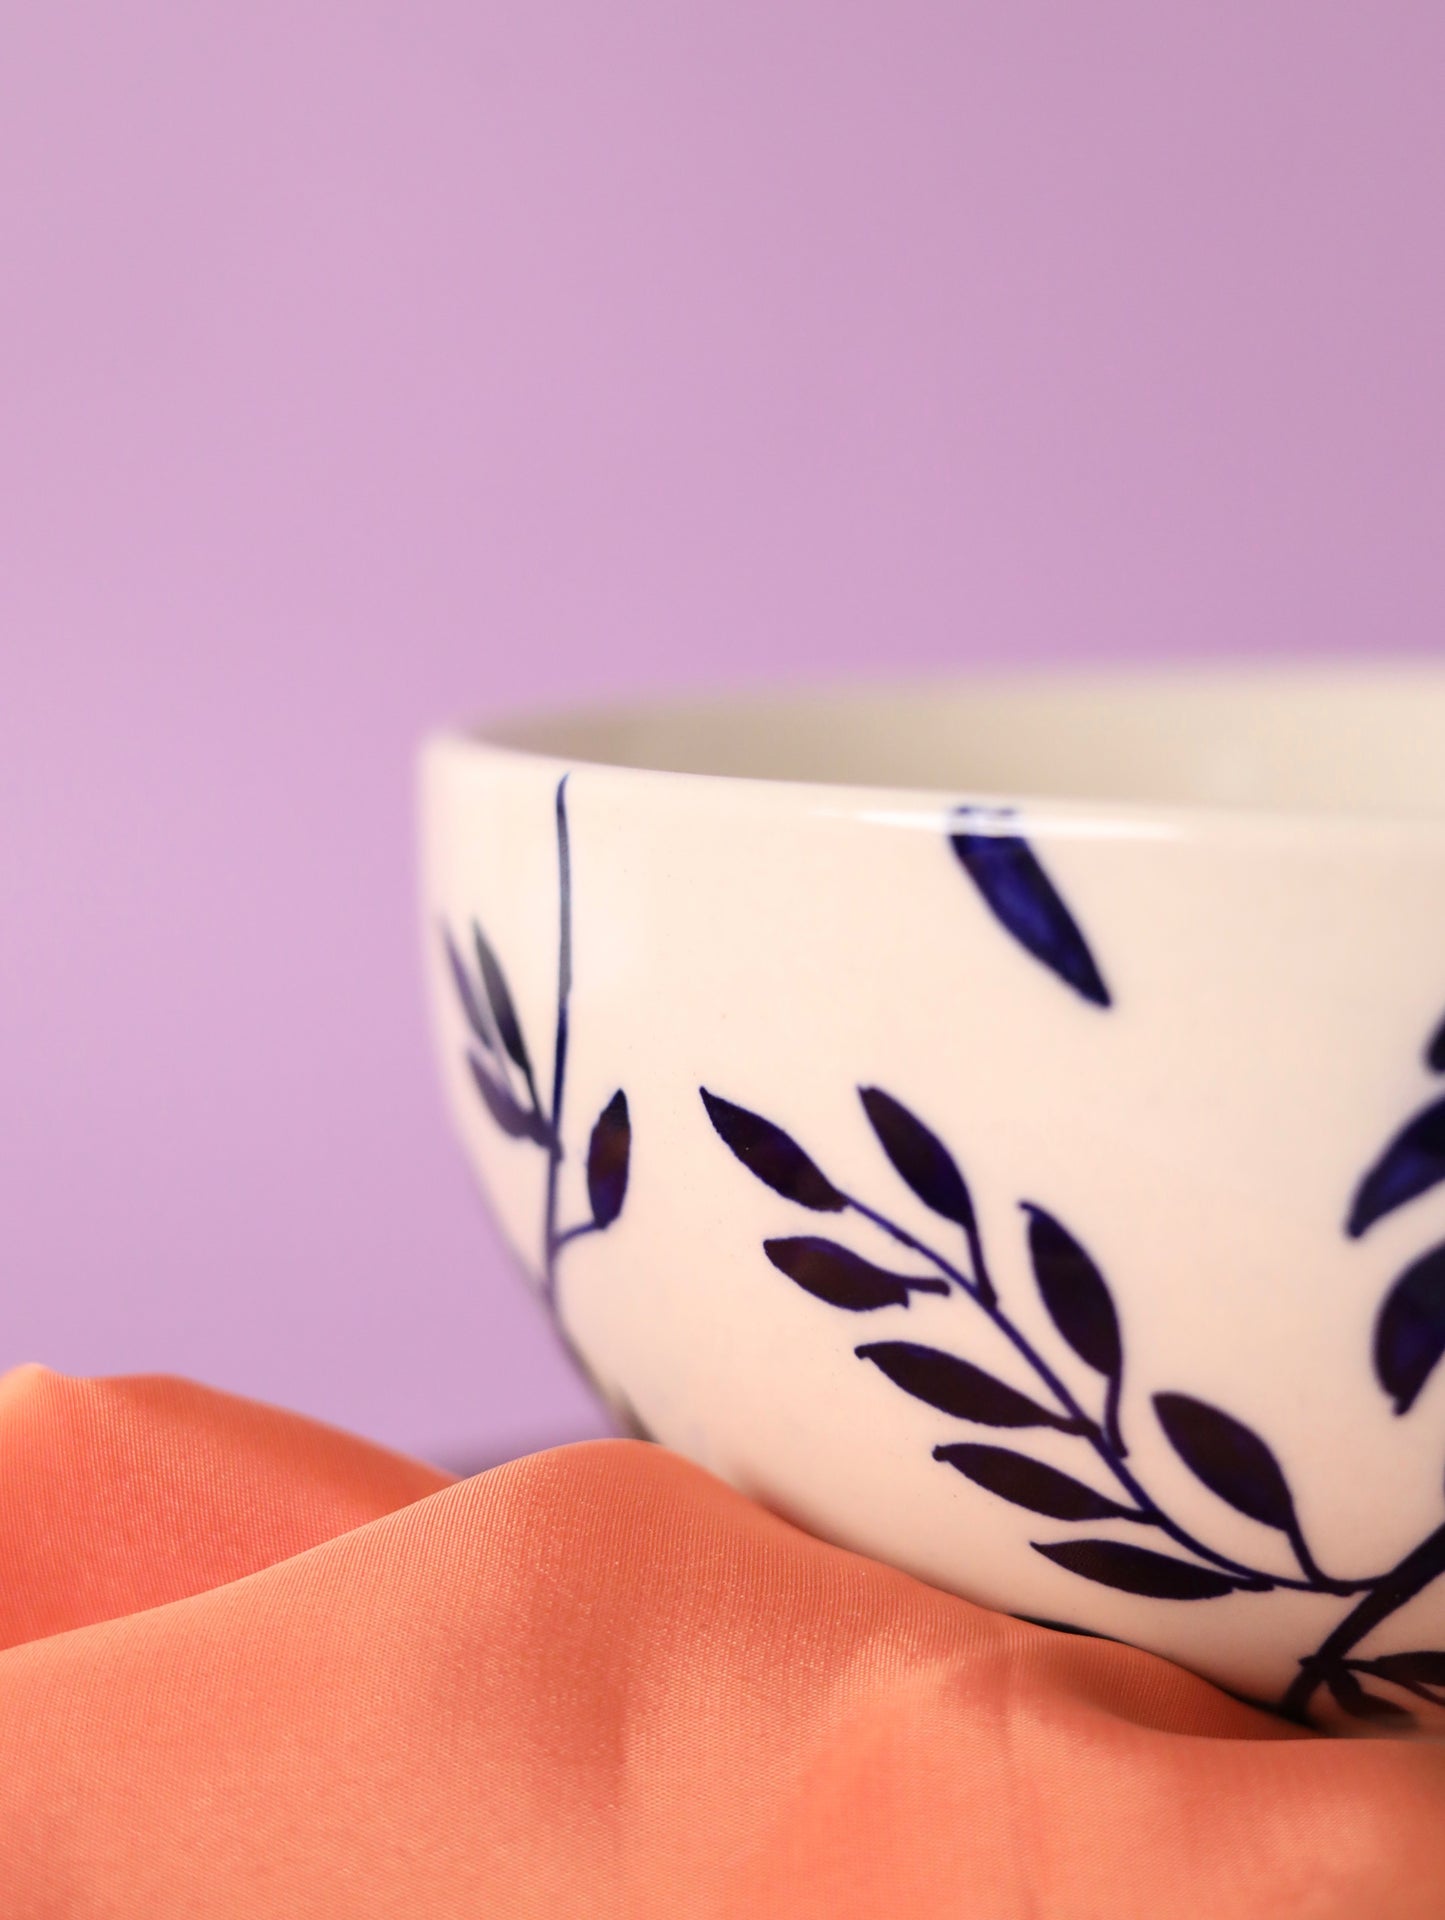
(256, 1667)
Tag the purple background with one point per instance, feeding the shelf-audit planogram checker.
(365, 365)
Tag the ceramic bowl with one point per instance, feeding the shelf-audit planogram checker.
(1001, 1127)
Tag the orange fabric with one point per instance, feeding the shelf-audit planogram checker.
(256, 1668)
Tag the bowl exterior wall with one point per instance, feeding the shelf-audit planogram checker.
(963, 1156)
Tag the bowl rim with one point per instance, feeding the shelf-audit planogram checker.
(557, 736)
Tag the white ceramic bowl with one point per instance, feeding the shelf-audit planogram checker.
(999, 1126)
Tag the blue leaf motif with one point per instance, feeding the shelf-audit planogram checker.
(957, 1387)
(772, 1156)
(466, 993)
(1029, 1483)
(842, 1278)
(1075, 1293)
(609, 1155)
(1422, 1673)
(1435, 1051)
(919, 1157)
(1410, 1332)
(1411, 1165)
(1158, 1576)
(514, 1120)
(1233, 1462)
(1023, 899)
(499, 994)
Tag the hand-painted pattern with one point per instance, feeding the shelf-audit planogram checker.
(1022, 898)
(1226, 1456)
(501, 1068)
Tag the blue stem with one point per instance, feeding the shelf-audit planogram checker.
(552, 1240)
(579, 1232)
(1105, 1440)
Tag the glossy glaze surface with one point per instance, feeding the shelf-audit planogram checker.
(1043, 1193)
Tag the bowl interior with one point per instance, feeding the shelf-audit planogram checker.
(1320, 741)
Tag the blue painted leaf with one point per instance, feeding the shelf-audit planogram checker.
(1435, 1052)
(1023, 899)
(1232, 1461)
(609, 1155)
(1158, 1576)
(1410, 1332)
(1075, 1293)
(957, 1387)
(1029, 1483)
(919, 1156)
(844, 1278)
(1412, 1164)
(466, 993)
(1422, 1673)
(1352, 1698)
(772, 1156)
(514, 1119)
(500, 998)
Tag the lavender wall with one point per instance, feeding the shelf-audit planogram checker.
(366, 364)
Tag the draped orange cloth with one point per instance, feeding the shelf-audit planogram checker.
(254, 1667)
